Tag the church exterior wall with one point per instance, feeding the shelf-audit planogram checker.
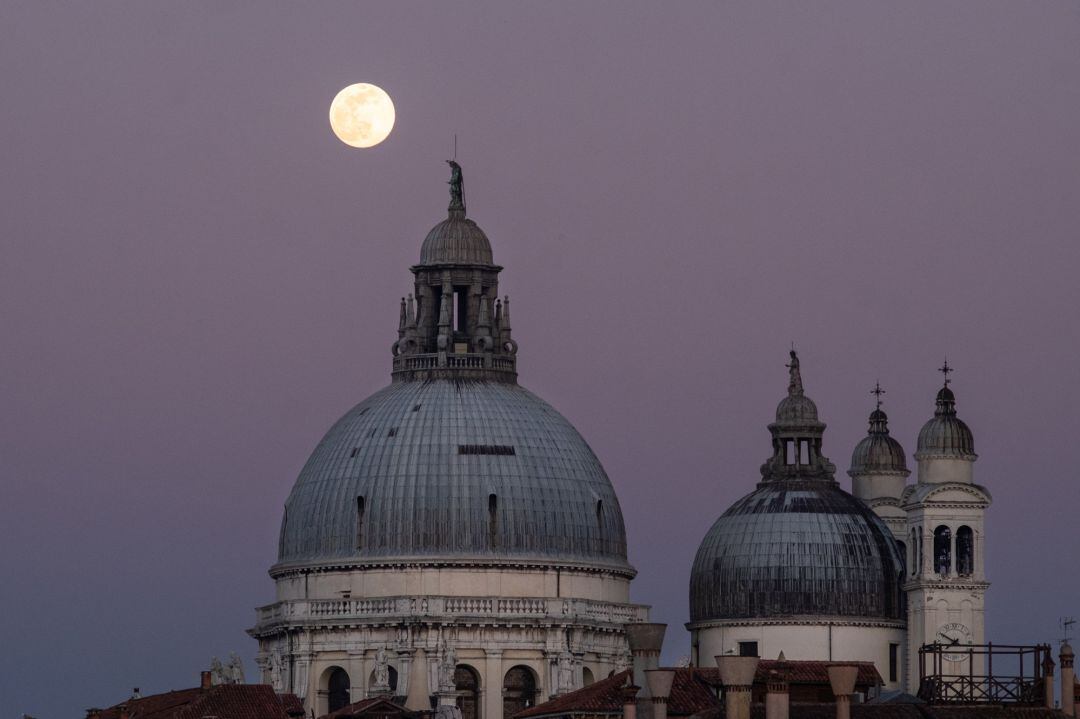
(816, 640)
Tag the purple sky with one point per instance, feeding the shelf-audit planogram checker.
(197, 278)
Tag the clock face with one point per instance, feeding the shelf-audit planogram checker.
(954, 634)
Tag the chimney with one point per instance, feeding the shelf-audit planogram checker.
(417, 698)
(135, 693)
(660, 688)
(93, 713)
(1068, 681)
(629, 701)
(778, 696)
(205, 680)
(125, 713)
(1048, 679)
(737, 677)
(842, 679)
(645, 642)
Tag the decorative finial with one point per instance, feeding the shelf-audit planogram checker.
(945, 369)
(877, 392)
(457, 189)
(795, 383)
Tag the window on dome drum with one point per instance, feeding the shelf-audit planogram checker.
(942, 549)
(894, 662)
(502, 449)
(804, 451)
(461, 300)
(359, 523)
(467, 685)
(965, 551)
(337, 690)
(748, 649)
(789, 452)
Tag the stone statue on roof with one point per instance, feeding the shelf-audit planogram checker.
(457, 187)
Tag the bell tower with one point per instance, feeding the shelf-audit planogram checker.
(946, 581)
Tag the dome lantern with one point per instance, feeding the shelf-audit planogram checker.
(797, 435)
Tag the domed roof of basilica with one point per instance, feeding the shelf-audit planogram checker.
(798, 546)
(453, 462)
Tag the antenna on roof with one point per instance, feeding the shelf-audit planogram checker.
(1066, 627)
(455, 146)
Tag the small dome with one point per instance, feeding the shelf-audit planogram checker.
(946, 435)
(878, 452)
(796, 409)
(797, 548)
(456, 240)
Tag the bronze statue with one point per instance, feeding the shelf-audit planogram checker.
(457, 187)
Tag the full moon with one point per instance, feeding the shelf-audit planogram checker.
(362, 115)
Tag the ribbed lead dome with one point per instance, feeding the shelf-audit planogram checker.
(456, 240)
(797, 549)
(946, 435)
(798, 545)
(878, 452)
(444, 469)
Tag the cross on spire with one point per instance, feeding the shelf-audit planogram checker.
(945, 369)
(877, 392)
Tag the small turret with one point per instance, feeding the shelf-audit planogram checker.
(946, 446)
(796, 436)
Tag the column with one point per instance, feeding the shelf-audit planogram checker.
(492, 685)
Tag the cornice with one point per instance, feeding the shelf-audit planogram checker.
(300, 568)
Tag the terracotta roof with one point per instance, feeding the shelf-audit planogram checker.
(694, 689)
(225, 701)
(898, 711)
(602, 697)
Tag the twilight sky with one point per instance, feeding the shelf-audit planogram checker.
(197, 278)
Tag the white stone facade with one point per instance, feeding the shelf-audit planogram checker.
(563, 623)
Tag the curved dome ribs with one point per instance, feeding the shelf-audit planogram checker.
(799, 545)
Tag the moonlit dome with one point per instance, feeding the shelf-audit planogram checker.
(453, 462)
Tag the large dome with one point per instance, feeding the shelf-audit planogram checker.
(453, 470)
(797, 548)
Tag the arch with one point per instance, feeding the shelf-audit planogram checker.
(586, 677)
(965, 551)
(337, 688)
(519, 690)
(942, 549)
(467, 685)
(903, 557)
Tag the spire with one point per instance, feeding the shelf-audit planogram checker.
(457, 190)
(795, 388)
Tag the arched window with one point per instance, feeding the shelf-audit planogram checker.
(903, 556)
(586, 676)
(915, 559)
(337, 690)
(519, 690)
(467, 684)
(965, 551)
(942, 549)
